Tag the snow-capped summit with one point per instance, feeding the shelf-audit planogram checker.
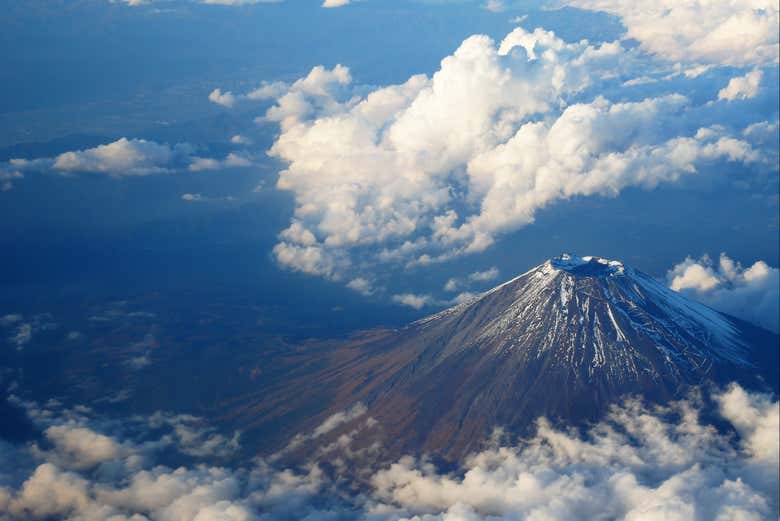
(563, 340)
(594, 313)
(585, 266)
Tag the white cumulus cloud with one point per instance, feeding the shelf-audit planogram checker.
(361, 285)
(484, 276)
(412, 300)
(238, 139)
(441, 166)
(751, 293)
(226, 99)
(123, 157)
(232, 160)
(734, 32)
(639, 463)
(742, 87)
(127, 157)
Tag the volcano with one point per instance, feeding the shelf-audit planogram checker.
(564, 340)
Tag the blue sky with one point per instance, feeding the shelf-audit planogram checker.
(123, 166)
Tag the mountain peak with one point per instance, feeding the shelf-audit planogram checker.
(563, 340)
(588, 266)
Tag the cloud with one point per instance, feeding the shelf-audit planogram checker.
(79, 447)
(238, 2)
(22, 335)
(267, 90)
(135, 3)
(313, 84)
(413, 301)
(193, 436)
(124, 157)
(756, 419)
(138, 362)
(315, 93)
(484, 276)
(333, 440)
(128, 157)
(454, 283)
(736, 33)
(22, 331)
(306, 258)
(441, 166)
(742, 87)
(89, 474)
(361, 285)
(232, 160)
(238, 139)
(765, 135)
(226, 99)
(496, 6)
(763, 130)
(80, 439)
(10, 319)
(339, 419)
(7, 178)
(466, 296)
(202, 198)
(638, 463)
(74, 336)
(335, 3)
(752, 293)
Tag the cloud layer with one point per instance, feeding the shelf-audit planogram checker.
(751, 293)
(638, 464)
(441, 166)
(736, 32)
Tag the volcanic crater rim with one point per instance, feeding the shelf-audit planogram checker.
(587, 266)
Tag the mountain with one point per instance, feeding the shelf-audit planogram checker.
(563, 340)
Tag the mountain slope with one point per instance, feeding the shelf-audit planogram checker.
(564, 340)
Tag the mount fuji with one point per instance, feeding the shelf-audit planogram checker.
(564, 340)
